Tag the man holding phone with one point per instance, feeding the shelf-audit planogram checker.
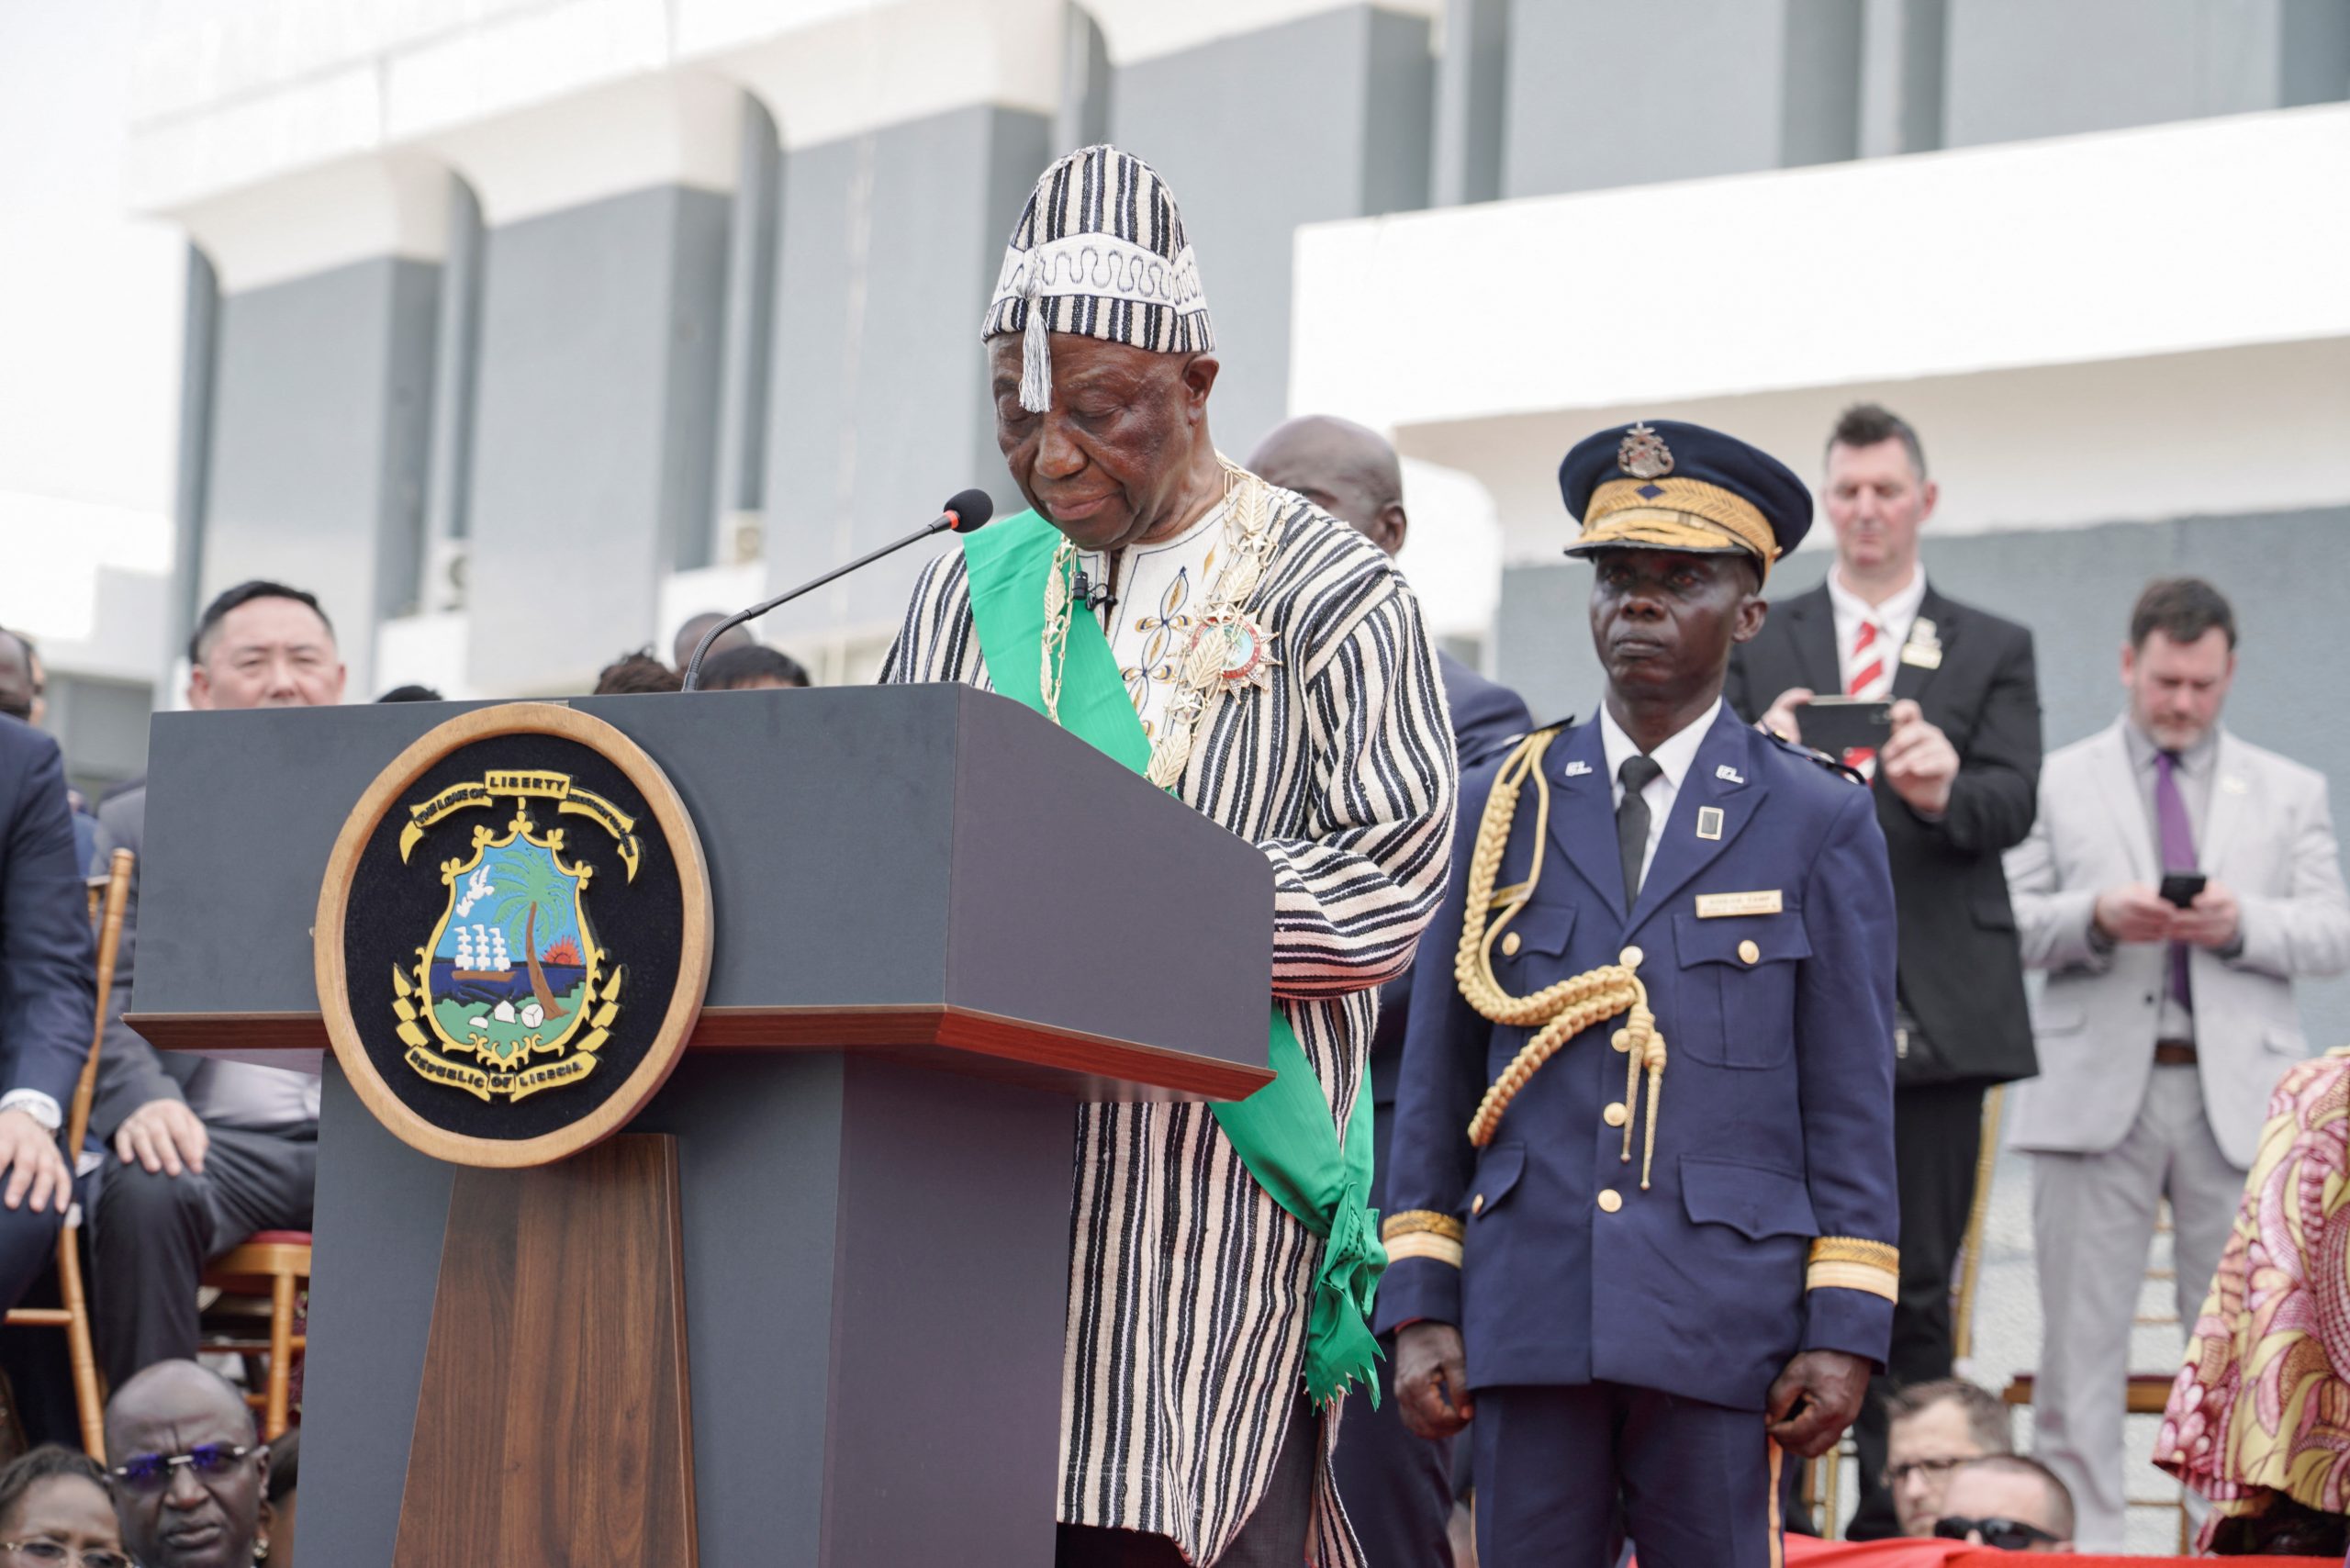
(2177, 883)
(1938, 705)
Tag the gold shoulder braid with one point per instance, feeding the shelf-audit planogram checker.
(1556, 1012)
(1221, 620)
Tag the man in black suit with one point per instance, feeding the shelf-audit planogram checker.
(1956, 784)
(47, 994)
(1397, 1487)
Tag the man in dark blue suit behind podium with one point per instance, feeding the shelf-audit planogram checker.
(1660, 1259)
(1397, 1488)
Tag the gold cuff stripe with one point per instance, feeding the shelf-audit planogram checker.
(1852, 1249)
(1852, 1277)
(1424, 1244)
(1677, 514)
(1413, 1222)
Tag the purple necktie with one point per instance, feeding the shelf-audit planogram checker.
(2179, 853)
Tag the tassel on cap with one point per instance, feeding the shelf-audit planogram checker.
(1036, 355)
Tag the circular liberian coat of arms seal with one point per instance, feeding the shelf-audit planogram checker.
(513, 936)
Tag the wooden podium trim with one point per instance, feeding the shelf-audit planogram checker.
(988, 1044)
(693, 965)
(962, 1039)
(553, 1421)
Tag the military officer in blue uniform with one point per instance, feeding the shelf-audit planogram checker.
(1641, 1210)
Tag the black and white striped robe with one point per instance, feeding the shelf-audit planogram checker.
(1189, 1285)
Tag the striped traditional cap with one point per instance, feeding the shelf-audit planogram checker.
(1098, 251)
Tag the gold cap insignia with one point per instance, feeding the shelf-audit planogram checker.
(1644, 453)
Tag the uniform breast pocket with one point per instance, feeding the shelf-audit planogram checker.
(1530, 951)
(1734, 996)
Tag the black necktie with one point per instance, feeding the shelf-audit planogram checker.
(1632, 820)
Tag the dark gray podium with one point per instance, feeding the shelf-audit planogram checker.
(938, 923)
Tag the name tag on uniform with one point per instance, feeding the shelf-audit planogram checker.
(1718, 906)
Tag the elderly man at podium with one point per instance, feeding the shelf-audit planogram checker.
(1266, 664)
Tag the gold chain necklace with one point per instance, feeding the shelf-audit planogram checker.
(1227, 650)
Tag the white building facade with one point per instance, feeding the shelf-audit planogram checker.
(524, 328)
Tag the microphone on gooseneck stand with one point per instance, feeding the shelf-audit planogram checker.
(965, 512)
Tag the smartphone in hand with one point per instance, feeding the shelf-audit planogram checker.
(2182, 888)
(1839, 724)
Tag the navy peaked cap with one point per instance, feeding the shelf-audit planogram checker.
(1664, 485)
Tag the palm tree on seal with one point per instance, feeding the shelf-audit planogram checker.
(531, 883)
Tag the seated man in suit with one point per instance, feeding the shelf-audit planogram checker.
(47, 995)
(2166, 1021)
(208, 1153)
(1660, 1258)
(1397, 1488)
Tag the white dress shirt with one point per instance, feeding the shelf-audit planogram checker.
(247, 1095)
(1673, 755)
(1893, 620)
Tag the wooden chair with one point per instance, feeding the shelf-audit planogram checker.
(1970, 1259)
(108, 899)
(275, 1264)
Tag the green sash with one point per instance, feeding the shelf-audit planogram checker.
(1283, 1132)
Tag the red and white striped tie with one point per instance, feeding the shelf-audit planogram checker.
(1868, 682)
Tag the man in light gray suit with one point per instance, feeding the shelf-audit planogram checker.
(2165, 1025)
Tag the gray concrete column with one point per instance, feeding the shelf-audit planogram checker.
(321, 389)
(597, 369)
(596, 432)
(892, 239)
(1902, 61)
(1601, 93)
(2021, 68)
(1472, 95)
(1323, 117)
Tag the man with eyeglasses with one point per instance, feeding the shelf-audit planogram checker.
(1932, 1429)
(189, 1470)
(2008, 1503)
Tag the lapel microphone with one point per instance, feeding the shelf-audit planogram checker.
(1094, 597)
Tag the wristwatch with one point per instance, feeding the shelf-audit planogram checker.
(35, 1105)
